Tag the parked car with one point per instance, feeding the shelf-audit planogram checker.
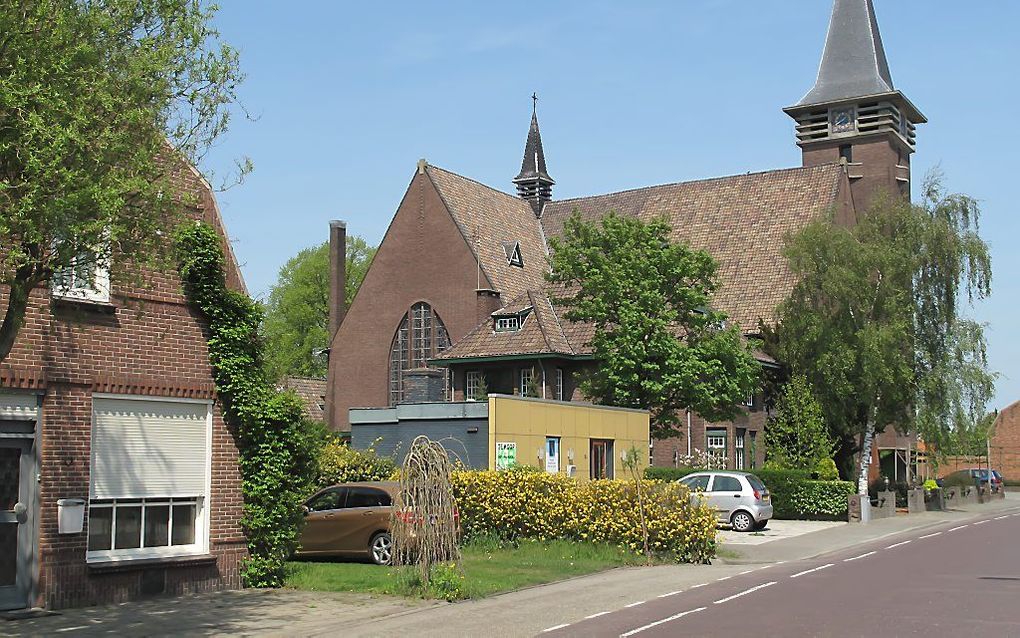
(738, 498)
(350, 520)
(971, 476)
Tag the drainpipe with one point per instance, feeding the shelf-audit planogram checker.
(542, 365)
(689, 450)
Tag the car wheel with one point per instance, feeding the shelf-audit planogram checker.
(742, 521)
(381, 549)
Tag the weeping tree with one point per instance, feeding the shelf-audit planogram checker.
(424, 521)
(875, 321)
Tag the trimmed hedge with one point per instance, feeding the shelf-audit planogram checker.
(513, 505)
(795, 495)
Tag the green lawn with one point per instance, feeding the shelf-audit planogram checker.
(488, 568)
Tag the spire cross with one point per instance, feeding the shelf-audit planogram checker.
(534, 101)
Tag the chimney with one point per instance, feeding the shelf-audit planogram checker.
(486, 302)
(337, 276)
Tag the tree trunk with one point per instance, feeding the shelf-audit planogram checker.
(862, 478)
(14, 318)
(846, 463)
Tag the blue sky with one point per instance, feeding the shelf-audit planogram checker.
(347, 96)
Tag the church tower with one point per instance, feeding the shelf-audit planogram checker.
(854, 112)
(533, 182)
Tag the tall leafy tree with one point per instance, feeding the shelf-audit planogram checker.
(796, 436)
(658, 342)
(875, 321)
(100, 101)
(297, 311)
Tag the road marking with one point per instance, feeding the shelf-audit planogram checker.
(744, 593)
(659, 622)
(980, 522)
(724, 578)
(601, 613)
(898, 544)
(545, 631)
(930, 535)
(74, 628)
(672, 593)
(747, 572)
(808, 571)
(847, 560)
(953, 529)
(999, 518)
(698, 585)
(640, 602)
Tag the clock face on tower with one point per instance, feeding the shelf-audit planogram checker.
(842, 120)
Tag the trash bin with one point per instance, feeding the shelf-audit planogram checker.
(70, 515)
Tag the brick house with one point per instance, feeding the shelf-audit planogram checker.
(107, 400)
(458, 279)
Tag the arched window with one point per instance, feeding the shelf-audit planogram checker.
(420, 336)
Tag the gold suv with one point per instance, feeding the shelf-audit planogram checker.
(350, 520)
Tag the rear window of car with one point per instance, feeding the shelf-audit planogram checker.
(756, 482)
(367, 497)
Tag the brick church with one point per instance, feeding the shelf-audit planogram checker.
(456, 293)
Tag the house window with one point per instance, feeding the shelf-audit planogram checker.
(715, 441)
(749, 401)
(473, 386)
(754, 449)
(149, 478)
(738, 450)
(420, 336)
(513, 254)
(559, 384)
(846, 151)
(87, 278)
(508, 324)
(528, 388)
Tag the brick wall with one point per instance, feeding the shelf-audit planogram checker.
(1005, 447)
(148, 342)
(751, 421)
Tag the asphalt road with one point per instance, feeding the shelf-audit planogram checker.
(952, 580)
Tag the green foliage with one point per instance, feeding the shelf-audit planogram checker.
(930, 485)
(796, 437)
(658, 342)
(874, 321)
(516, 505)
(101, 103)
(669, 473)
(277, 447)
(826, 470)
(339, 463)
(297, 312)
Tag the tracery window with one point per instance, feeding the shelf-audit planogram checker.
(420, 336)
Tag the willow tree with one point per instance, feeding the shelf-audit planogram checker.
(875, 321)
(100, 101)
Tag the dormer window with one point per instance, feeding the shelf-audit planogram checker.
(510, 322)
(513, 254)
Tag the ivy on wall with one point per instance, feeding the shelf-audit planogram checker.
(277, 446)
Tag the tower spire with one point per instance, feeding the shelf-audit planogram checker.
(533, 182)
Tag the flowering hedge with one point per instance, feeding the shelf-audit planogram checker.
(542, 506)
(340, 463)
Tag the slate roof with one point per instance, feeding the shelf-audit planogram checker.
(853, 61)
(488, 219)
(533, 164)
(312, 393)
(741, 220)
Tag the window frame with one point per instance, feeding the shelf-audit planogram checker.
(420, 335)
(472, 384)
(522, 386)
(559, 384)
(202, 520)
(65, 284)
(739, 458)
(713, 449)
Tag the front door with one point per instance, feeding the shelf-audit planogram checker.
(552, 454)
(16, 516)
(601, 459)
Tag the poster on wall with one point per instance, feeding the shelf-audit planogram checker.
(506, 455)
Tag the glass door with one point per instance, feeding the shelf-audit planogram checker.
(16, 536)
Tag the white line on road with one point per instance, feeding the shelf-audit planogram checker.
(659, 622)
(953, 529)
(898, 544)
(74, 628)
(930, 535)
(747, 572)
(640, 602)
(672, 593)
(847, 560)
(698, 585)
(601, 613)
(566, 624)
(744, 593)
(980, 522)
(999, 518)
(724, 578)
(808, 571)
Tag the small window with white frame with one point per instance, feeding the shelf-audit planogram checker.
(527, 388)
(473, 386)
(559, 384)
(511, 323)
(738, 450)
(715, 441)
(86, 278)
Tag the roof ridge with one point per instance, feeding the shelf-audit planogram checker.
(559, 325)
(700, 181)
(475, 181)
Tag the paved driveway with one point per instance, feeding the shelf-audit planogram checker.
(776, 530)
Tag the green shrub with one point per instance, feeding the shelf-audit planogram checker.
(669, 473)
(826, 470)
(516, 505)
(339, 463)
(931, 485)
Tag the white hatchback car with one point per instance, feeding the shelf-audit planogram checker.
(738, 498)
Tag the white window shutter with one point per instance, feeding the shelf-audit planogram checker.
(144, 449)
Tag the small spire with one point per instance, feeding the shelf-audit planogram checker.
(533, 182)
(853, 61)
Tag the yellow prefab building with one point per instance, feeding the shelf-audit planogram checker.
(579, 439)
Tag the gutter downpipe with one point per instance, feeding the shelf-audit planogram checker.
(689, 434)
(542, 365)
